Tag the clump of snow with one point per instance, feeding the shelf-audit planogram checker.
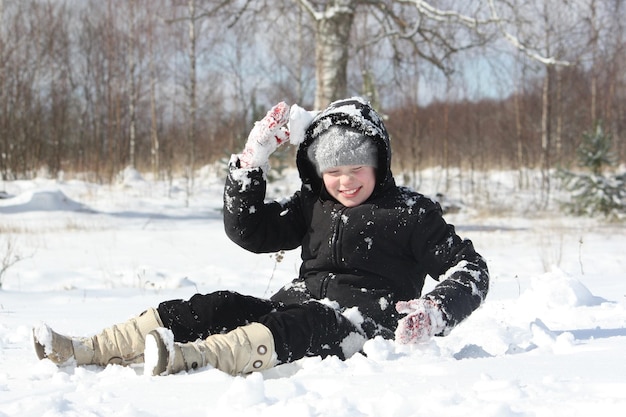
(130, 176)
(43, 335)
(40, 200)
(558, 289)
(352, 344)
(299, 120)
(379, 349)
(242, 177)
(472, 351)
(243, 394)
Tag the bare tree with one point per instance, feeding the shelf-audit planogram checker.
(3, 86)
(153, 80)
(606, 56)
(547, 32)
(192, 105)
(131, 53)
(427, 29)
(196, 12)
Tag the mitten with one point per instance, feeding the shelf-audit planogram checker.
(423, 320)
(266, 135)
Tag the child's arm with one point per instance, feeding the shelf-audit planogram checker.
(249, 221)
(461, 292)
(464, 282)
(253, 223)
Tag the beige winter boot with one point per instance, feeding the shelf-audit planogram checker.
(121, 344)
(241, 351)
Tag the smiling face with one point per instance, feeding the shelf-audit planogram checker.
(350, 185)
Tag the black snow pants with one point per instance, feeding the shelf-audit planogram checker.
(301, 327)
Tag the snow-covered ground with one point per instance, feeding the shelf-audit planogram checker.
(549, 341)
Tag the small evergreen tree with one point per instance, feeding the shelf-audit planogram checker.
(592, 192)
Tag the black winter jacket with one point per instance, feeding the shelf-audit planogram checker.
(369, 256)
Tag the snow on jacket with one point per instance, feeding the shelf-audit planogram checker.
(369, 256)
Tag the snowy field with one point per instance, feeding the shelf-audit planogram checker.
(549, 341)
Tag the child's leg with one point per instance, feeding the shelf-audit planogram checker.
(283, 334)
(122, 343)
(207, 314)
(312, 329)
(220, 329)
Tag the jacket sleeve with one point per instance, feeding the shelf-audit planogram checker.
(253, 223)
(462, 272)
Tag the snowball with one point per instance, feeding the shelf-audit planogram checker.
(299, 120)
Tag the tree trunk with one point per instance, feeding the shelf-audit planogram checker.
(132, 93)
(517, 106)
(546, 113)
(546, 134)
(192, 103)
(154, 135)
(331, 56)
(558, 136)
(594, 61)
(4, 138)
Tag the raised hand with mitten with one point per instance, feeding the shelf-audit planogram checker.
(266, 135)
(423, 320)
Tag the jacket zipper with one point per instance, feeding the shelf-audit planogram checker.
(324, 286)
(335, 252)
(337, 233)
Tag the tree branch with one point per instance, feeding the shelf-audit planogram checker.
(513, 40)
(306, 5)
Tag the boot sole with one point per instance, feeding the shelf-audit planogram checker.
(156, 354)
(40, 349)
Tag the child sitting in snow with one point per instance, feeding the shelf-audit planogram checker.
(366, 246)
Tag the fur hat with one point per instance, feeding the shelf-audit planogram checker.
(342, 145)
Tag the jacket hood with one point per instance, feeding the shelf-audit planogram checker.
(356, 114)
